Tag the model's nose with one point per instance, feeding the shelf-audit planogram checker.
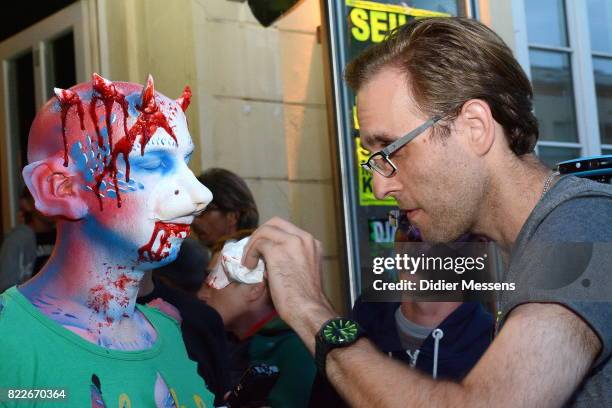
(200, 194)
(187, 196)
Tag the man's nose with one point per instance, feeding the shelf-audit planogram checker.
(383, 186)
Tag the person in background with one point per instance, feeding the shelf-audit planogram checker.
(414, 332)
(233, 207)
(248, 313)
(28, 246)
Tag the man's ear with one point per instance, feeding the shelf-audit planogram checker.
(232, 218)
(480, 125)
(55, 189)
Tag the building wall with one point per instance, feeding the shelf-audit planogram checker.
(263, 115)
(138, 37)
(259, 100)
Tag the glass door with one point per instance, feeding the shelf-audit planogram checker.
(47, 54)
(352, 26)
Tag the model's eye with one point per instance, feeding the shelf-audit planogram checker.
(151, 164)
(188, 157)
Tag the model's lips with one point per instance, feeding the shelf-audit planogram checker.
(159, 244)
(186, 219)
(177, 229)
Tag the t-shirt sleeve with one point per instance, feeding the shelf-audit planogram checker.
(569, 261)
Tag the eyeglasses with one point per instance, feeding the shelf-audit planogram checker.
(380, 162)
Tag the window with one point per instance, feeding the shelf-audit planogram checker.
(600, 30)
(569, 46)
(49, 53)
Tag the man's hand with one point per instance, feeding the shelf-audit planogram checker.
(293, 269)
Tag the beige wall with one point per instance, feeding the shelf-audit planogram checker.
(138, 37)
(259, 101)
(263, 115)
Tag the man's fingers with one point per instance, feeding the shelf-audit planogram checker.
(285, 226)
(307, 239)
(256, 248)
(266, 232)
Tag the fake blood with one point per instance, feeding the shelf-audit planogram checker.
(67, 99)
(99, 298)
(106, 92)
(123, 281)
(167, 231)
(185, 99)
(148, 121)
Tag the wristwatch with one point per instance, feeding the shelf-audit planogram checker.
(335, 333)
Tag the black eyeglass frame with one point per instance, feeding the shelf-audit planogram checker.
(395, 146)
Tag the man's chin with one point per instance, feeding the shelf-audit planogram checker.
(441, 237)
(436, 235)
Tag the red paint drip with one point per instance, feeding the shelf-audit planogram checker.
(185, 99)
(167, 231)
(67, 99)
(150, 118)
(99, 298)
(106, 92)
(148, 121)
(123, 281)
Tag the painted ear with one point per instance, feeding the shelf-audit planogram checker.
(185, 99)
(147, 98)
(55, 190)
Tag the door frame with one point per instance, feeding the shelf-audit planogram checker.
(80, 17)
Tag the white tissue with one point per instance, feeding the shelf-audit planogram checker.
(230, 269)
(231, 257)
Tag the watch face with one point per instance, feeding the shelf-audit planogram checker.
(340, 331)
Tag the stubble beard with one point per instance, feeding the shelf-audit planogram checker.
(456, 213)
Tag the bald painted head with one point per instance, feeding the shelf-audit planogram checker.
(110, 158)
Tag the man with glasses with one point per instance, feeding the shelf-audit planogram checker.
(469, 166)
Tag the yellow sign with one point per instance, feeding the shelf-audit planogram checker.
(372, 21)
(366, 188)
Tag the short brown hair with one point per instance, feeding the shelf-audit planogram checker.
(450, 60)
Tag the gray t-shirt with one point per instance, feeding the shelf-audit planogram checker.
(563, 254)
(411, 335)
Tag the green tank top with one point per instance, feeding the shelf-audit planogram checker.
(36, 353)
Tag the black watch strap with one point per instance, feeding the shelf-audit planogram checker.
(335, 333)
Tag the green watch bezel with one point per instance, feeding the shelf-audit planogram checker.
(335, 333)
(340, 331)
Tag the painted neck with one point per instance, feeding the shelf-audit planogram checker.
(84, 280)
